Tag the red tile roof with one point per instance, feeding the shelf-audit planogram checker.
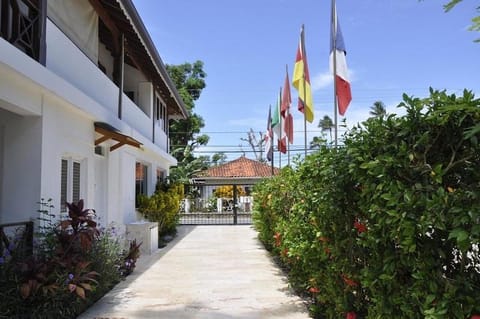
(240, 168)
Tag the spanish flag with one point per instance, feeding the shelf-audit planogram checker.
(301, 80)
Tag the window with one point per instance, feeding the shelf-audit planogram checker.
(140, 181)
(157, 109)
(100, 150)
(160, 175)
(63, 185)
(70, 182)
(161, 114)
(76, 182)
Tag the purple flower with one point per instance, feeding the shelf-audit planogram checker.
(70, 277)
(2, 260)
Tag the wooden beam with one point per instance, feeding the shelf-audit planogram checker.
(110, 133)
(102, 139)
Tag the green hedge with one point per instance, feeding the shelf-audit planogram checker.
(389, 224)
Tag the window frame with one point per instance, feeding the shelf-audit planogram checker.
(72, 181)
(143, 189)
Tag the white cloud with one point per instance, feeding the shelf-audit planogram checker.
(325, 79)
(321, 80)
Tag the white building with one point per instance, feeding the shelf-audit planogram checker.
(85, 102)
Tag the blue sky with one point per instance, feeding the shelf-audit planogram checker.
(393, 47)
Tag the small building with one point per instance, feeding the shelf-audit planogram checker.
(242, 172)
(85, 105)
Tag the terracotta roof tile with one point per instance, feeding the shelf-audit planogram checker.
(241, 167)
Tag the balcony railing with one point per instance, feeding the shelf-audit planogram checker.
(21, 24)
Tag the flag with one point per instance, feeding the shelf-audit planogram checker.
(285, 110)
(277, 124)
(340, 72)
(301, 80)
(269, 136)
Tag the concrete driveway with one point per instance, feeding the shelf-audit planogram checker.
(206, 272)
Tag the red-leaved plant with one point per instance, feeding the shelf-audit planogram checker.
(75, 237)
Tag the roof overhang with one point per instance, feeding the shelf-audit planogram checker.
(108, 132)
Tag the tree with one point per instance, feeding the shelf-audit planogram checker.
(186, 169)
(475, 26)
(256, 144)
(378, 109)
(219, 158)
(326, 124)
(189, 80)
(317, 142)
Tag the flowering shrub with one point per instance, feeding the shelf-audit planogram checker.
(74, 264)
(163, 206)
(387, 226)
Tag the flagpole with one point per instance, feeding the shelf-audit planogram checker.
(287, 112)
(273, 147)
(279, 140)
(302, 40)
(273, 158)
(334, 52)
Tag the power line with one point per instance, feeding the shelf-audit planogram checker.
(246, 132)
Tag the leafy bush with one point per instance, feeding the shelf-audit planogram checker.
(74, 264)
(163, 206)
(389, 224)
(226, 191)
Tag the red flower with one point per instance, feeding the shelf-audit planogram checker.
(351, 315)
(475, 317)
(323, 239)
(349, 281)
(314, 290)
(278, 239)
(361, 228)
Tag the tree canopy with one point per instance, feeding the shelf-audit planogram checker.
(378, 109)
(475, 26)
(185, 136)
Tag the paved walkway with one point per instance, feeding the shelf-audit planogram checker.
(206, 272)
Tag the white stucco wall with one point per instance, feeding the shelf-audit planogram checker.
(68, 134)
(67, 61)
(22, 140)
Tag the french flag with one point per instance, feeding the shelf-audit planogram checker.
(337, 47)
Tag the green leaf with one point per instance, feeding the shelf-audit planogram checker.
(459, 234)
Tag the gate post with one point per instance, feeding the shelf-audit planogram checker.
(234, 204)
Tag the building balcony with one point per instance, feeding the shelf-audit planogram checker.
(66, 60)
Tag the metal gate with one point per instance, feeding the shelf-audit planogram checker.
(220, 204)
